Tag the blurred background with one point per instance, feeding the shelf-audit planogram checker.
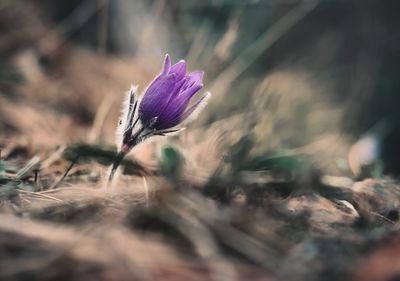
(289, 173)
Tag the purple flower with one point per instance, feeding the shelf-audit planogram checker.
(165, 104)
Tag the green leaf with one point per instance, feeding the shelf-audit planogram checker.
(85, 153)
(280, 160)
(6, 166)
(171, 163)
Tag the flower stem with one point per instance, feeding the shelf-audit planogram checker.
(116, 164)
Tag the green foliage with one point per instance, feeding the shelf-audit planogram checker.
(85, 153)
(171, 162)
(279, 161)
(7, 166)
(7, 184)
(240, 158)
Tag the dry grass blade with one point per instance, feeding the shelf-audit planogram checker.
(38, 194)
(101, 114)
(28, 167)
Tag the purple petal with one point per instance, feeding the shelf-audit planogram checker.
(178, 113)
(167, 97)
(178, 86)
(167, 65)
(193, 78)
(179, 69)
(196, 76)
(156, 97)
(173, 112)
(190, 91)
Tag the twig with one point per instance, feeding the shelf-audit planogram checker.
(383, 217)
(36, 171)
(63, 176)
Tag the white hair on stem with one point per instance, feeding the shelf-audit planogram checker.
(131, 97)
